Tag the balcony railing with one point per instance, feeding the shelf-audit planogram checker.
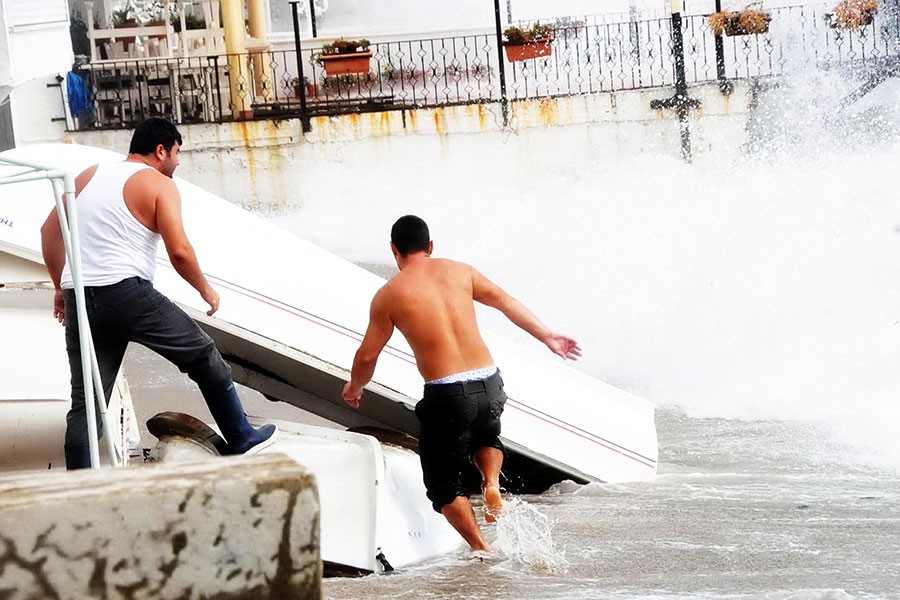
(583, 59)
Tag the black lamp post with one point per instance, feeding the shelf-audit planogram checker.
(681, 103)
(304, 113)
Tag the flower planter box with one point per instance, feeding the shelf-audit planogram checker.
(533, 49)
(342, 64)
(850, 23)
(733, 27)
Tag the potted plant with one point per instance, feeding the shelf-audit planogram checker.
(750, 21)
(345, 56)
(130, 13)
(191, 21)
(312, 89)
(522, 44)
(852, 14)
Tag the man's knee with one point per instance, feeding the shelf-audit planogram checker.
(442, 498)
(209, 369)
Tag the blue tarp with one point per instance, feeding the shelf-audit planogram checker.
(79, 95)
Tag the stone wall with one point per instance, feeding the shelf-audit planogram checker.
(242, 527)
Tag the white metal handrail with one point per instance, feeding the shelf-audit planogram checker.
(63, 181)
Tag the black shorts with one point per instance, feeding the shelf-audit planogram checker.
(456, 420)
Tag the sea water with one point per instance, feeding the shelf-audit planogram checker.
(754, 298)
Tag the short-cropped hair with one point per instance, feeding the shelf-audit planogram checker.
(151, 133)
(410, 235)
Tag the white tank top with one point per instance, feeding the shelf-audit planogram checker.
(114, 245)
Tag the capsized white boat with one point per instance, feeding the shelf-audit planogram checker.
(34, 386)
(374, 515)
(293, 314)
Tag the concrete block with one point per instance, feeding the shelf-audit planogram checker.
(241, 527)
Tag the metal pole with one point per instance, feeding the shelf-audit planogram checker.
(725, 86)
(312, 17)
(680, 102)
(509, 11)
(218, 84)
(301, 79)
(681, 87)
(504, 101)
(73, 254)
(99, 392)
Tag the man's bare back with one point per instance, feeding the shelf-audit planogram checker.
(431, 303)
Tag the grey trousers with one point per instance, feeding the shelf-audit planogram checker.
(134, 311)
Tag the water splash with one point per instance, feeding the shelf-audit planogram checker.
(525, 535)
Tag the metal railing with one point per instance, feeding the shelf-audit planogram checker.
(452, 70)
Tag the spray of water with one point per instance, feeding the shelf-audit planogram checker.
(757, 286)
(525, 537)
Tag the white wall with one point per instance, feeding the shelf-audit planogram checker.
(39, 49)
(265, 165)
(5, 62)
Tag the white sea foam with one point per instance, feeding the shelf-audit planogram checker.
(525, 536)
(762, 286)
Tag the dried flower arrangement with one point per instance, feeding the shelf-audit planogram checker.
(746, 22)
(852, 14)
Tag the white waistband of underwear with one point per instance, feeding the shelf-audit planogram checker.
(473, 375)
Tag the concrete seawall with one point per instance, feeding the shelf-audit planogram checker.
(243, 527)
(258, 164)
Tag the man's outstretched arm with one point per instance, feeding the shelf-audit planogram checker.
(377, 335)
(491, 294)
(178, 247)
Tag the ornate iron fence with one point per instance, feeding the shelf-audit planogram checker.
(581, 59)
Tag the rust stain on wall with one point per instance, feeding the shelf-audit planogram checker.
(353, 120)
(547, 111)
(481, 115)
(246, 135)
(440, 122)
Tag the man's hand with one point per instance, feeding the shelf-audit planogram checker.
(211, 297)
(59, 307)
(351, 396)
(563, 346)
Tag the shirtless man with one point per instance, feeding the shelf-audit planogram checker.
(124, 208)
(431, 302)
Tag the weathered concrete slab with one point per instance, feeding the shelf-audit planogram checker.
(241, 527)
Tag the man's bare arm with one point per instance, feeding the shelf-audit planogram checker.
(377, 335)
(54, 253)
(490, 294)
(178, 247)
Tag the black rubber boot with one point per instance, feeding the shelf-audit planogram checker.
(242, 438)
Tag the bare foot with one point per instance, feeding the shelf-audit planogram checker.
(493, 504)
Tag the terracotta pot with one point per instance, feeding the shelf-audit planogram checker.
(341, 64)
(533, 49)
(312, 90)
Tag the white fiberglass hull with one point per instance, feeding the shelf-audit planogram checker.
(292, 316)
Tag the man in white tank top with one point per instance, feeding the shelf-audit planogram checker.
(124, 209)
(431, 302)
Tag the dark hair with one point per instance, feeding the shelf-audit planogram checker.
(410, 235)
(151, 133)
